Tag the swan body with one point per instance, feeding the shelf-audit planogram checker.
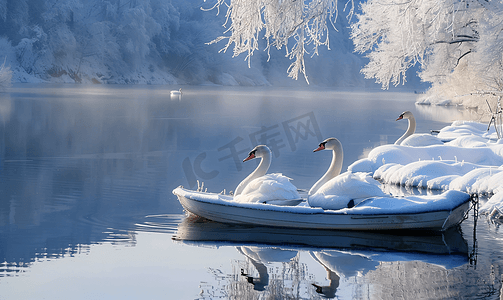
(335, 190)
(421, 140)
(415, 140)
(259, 187)
(176, 93)
(268, 188)
(341, 190)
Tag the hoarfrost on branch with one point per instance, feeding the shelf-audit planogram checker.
(399, 34)
(303, 24)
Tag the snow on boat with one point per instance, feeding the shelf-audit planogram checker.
(436, 212)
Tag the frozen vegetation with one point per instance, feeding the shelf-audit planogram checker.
(150, 42)
(456, 45)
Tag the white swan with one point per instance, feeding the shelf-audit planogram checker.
(259, 187)
(176, 93)
(415, 140)
(335, 190)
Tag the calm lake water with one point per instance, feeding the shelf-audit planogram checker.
(86, 209)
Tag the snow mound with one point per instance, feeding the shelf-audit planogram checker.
(471, 161)
(411, 204)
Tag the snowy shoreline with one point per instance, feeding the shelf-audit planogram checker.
(470, 160)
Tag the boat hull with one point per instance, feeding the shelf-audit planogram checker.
(270, 215)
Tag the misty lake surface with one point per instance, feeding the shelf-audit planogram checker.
(86, 209)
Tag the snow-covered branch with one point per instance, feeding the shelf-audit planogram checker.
(456, 43)
(397, 36)
(303, 24)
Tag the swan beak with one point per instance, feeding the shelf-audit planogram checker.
(252, 156)
(321, 147)
(399, 118)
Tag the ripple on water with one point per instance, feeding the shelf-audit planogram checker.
(123, 229)
(163, 223)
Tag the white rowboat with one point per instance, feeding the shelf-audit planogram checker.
(437, 212)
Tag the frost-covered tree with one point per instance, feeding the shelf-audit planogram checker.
(397, 35)
(457, 44)
(109, 41)
(166, 41)
(299, 26)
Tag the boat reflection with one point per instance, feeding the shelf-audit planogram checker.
(199, 230)
(343, 255)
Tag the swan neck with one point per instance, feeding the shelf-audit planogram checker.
(260, 171)
(410, 130)
(332, 172)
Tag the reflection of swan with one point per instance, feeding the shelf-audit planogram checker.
(411, 139)
(266, 254)
(330, 290)
(176, 93)
(259, 187)
(334, 191)
(259, 256)
(346, 263)
(341, 263)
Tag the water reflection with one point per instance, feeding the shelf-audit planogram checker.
(273, 254)
(79, 166)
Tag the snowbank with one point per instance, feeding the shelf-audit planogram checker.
(470, 160)
(410, 204)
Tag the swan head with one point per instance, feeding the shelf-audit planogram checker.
(328, 144)
(405, 115)
(258, 151)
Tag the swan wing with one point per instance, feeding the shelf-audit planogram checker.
(419, 140)
(268, 187)
(336, 193)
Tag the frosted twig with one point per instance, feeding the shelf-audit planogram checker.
(281, 22)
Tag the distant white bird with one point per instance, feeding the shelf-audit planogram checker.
(259, 187)
(176, 93)
(337, 191)
(415, 140)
